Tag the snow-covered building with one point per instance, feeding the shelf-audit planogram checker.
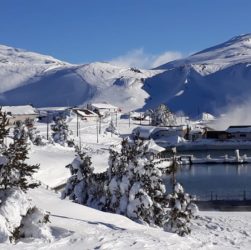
(86, 114)
(102, 108)
(152, 132)
(20, 113)
(47, 114)
(162, 132)
(240, 132)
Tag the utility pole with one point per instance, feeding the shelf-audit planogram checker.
(97, 129)
(129, 119)
(77, 122)
(100, 125)
(174, 167)
(47, 125)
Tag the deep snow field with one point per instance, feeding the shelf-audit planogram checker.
(78, 227)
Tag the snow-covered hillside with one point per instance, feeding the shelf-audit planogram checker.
(207, 81)
(28, 77)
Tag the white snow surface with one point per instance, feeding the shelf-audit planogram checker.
(76, 227)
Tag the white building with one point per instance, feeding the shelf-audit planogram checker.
(20, 113)
(152, 132)
(86, 114)
(102, 108)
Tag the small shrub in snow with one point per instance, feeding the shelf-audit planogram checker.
(19, 219)
(181, 212)
(112, 129)
(61, 132)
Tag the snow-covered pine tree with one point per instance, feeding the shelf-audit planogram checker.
(162, 116)
(77, 185)
(14, 172)
(112, 129)
(4, 131)
(20, 131)
(135, 185)
(18, 218)
(182, 210)
(132, 185)
(33, 134)
(84, 186)
(61, 132)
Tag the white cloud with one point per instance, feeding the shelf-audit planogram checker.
(138, 58)
(166, 57)
(236, 114)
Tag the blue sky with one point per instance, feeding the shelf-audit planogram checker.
(81, 31)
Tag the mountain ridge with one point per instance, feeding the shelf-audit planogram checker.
(207, 81)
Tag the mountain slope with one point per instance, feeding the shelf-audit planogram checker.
(28, 77)
(208, 81)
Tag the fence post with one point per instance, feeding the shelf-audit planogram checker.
(244, 195)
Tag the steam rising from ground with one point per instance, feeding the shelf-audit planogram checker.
(235, 115)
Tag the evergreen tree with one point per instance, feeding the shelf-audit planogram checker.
(135, 185)
(162, 116)
(33, 134)
(14, 171)
(20, 131)
(84, 186)
(4, 131)
(18, 218)
(112, 129)
(61, 132)
(182, 210)
(132, 185)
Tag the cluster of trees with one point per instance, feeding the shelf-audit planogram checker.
(18, 217)
(132, 186)
(28, 131)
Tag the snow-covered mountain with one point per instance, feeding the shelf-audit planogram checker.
(207, 81)
(44, 81)
(210, 80)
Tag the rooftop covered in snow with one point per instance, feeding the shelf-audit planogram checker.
(20, 110)
(103, 106)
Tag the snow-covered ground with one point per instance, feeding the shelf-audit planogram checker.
(78, 227)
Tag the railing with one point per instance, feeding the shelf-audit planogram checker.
(240, 195)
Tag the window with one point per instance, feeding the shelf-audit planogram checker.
(243, 135)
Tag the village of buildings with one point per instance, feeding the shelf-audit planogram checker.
(183, 133)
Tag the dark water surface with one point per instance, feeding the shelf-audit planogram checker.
(215, 181)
